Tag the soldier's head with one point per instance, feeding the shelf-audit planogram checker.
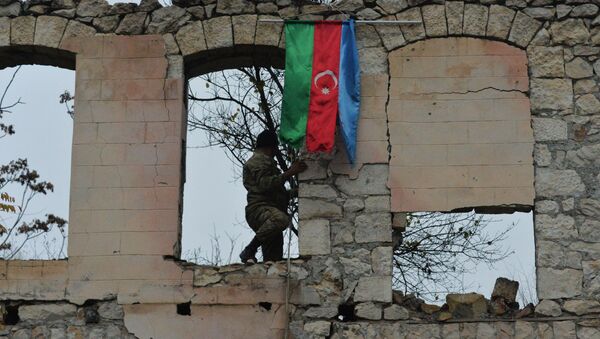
(267, 142)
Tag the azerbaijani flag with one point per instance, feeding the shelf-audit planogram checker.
(322, 77)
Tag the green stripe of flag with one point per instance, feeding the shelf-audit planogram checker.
(299, 39)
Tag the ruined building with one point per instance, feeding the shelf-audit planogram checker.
(490, 103)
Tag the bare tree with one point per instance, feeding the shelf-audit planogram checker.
(436, 249)
(19, 186)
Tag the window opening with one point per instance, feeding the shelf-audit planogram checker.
(36, 136)
(226, 112)
(441, 253)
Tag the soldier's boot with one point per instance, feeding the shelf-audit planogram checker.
(248, 255)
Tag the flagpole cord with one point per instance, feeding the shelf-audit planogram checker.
(369, 22)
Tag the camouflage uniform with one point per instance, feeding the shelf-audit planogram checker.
(267, 202)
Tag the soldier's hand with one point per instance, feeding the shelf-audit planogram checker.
(297, 167)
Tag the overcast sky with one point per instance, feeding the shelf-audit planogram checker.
(214, 199)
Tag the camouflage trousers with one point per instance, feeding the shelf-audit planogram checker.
(268, 223)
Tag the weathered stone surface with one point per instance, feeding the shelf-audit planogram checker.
(562, 10)
(317, 191)
(590, 207)
(374, 60)
(553, 94)
(549, 183)
(560, 227)
(579, 68)
(591, 279)
(584, 11)
(46, 312)
(475, 19)
(310, 208)
(546, 61)
(549, 129)
(378, 203)
(585, 50)
(49, 31)
(381, 260)
(244, 28)
(235, 7)
(373, 227)
(424, 331)
(374, 289)
(132, 24)
(172, 48)
(4, 32)
(354, 205)
(399, 221)
(22, 30)
(429, 308)
(318, 328)
(167, 20)
(327, 312)
(523, 29)
(204, 276)
(454, 16)
(588, 333)
(395, 312)
(77, 29)
(485, 330)
(267, 34)
(411, 32)
(266, 8)
(372, 180)
(590, 230)
(367, 36)
(390, 35)
(218, 32)
(554, 284)
(92, 8)
(587, 85)
(580, 307)
(523, 330)
(314, 237)
(541, 38)
(546, 207)
(368, 310)
(11, 10)
(107, 24)
(470, 305)
(506, 289)
(434, 17)
(569, 32)
(110, 310)
(355, 266)
(392, 6)
(587, 104)
(541, 155)
(585, 156)
(548, 308)
(500, 21)
(190, 38)
(368, 14)
(540, 12)
(564, 329)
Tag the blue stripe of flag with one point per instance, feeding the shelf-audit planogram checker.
(349, 89)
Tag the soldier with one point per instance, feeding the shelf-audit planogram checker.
(267, 198)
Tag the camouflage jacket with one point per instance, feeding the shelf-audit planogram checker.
(264, 183)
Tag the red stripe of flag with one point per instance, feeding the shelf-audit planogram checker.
(323, 106)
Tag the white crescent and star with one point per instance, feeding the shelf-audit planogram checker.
(325, 90)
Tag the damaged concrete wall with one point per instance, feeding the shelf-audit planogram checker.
(131, 63)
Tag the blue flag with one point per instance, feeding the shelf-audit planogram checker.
(349, 89)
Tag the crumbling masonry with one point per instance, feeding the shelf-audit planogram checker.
(487, 104)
